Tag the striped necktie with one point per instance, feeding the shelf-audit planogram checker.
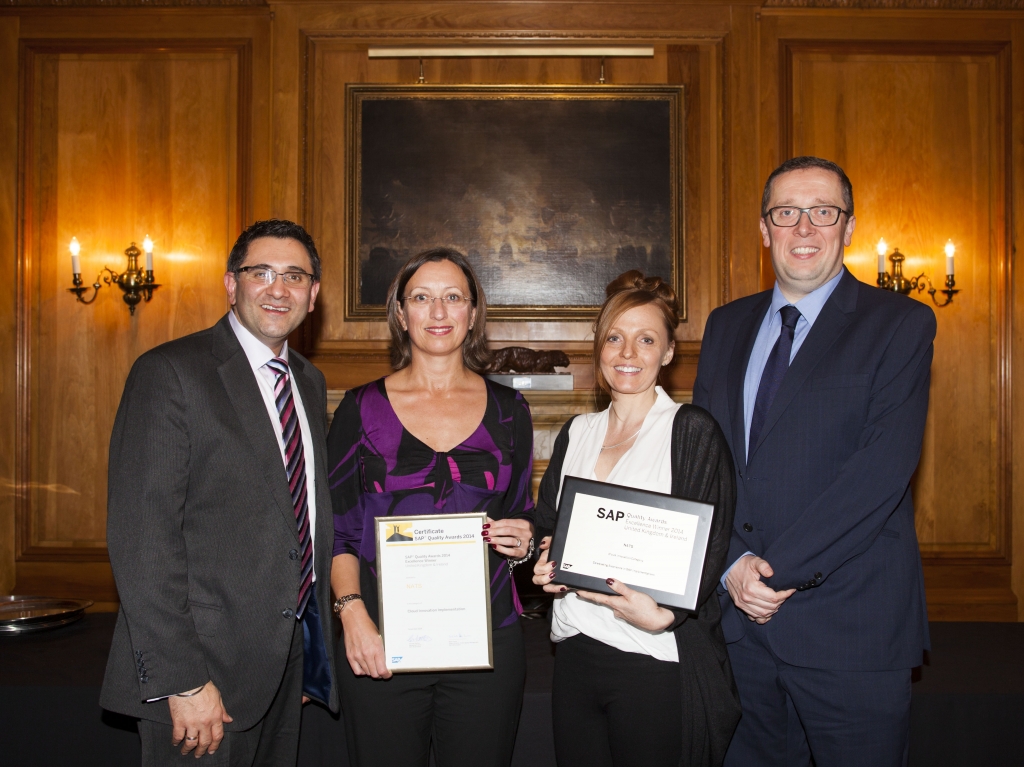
(295, 467)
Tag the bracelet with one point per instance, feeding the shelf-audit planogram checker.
(189, 694)
(340, 602)
(529, 555)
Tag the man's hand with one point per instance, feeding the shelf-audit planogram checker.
(363, 646)
(198, 720)
(756, 599)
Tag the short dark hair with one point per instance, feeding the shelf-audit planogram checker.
(800, 163)
(475, 354)
(273, 227)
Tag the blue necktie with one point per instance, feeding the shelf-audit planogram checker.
(774, 371)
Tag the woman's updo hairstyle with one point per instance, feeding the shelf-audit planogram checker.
(628, 291)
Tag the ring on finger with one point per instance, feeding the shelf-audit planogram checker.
(519, 542)
(192, 737)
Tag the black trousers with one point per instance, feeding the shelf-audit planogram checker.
(470, 716)
(273, 742)
(614, 709)
(793, 714)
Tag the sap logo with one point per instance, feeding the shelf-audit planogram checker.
(396, 658)
(614, 516)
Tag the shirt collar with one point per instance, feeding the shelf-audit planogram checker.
(810, 306)
(257, 352)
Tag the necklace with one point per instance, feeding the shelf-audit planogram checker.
(617, 444)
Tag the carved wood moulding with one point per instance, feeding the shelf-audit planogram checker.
(128, 3)
(937, 5)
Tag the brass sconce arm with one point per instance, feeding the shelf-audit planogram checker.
(79, 291)
(949, 290)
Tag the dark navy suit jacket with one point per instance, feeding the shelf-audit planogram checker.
(824, 496)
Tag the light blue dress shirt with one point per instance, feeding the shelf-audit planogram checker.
(810, 307)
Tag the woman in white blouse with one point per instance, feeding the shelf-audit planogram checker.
(636, 683)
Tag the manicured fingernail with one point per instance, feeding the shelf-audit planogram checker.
(483, 532)
(487, 539)
(554, 564)
(610, 581)
(563, 589)
(552, 575)
(493, 546)
(486, 526)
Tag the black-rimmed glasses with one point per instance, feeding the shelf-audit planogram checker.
(820, 215)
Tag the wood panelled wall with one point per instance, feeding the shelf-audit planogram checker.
(189, 122)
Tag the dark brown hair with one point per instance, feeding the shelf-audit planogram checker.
(625, 292)
(282, 230)
(475, 354)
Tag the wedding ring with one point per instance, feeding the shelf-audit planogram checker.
(518, 543)
(192, 737)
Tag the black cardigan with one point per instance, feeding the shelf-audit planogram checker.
(702, 470)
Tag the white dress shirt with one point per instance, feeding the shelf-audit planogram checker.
(259, 355)
(647, 465)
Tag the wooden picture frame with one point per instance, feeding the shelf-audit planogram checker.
(551, 191)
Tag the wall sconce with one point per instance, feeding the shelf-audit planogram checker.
(135, 283)
(897, 283)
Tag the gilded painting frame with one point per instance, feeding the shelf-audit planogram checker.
(550, 190)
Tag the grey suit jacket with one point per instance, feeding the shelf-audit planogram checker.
(201, 530)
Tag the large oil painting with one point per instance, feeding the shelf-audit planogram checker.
(550, 191)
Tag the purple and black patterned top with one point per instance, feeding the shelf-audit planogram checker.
(377, 469)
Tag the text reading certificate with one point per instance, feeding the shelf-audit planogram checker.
(650, 541)
(435, 602)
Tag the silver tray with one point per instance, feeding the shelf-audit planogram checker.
(21, 614)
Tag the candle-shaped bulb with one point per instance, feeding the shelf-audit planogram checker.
(882, 248)
(75, 248)
(950, 251)
(147, 245)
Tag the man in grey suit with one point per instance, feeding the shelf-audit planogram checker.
(219, 524)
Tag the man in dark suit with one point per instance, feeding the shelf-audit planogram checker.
(220, 527)
(821, 386)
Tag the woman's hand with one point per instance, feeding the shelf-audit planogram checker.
(363, 645)
(510, 537)
(634, 607)
(544, 571)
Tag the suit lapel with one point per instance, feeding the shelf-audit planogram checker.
(741, 350)
(243, 391)
(835, 315)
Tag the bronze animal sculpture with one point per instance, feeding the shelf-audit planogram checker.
(519, 359)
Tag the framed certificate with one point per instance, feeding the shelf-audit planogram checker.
(433, 582)
(652, 542)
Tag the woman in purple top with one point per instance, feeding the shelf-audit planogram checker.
(434, 437)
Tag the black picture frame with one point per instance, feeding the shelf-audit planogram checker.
(571, 486)
(551, 191)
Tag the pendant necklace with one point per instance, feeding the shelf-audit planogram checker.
(617, 444)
